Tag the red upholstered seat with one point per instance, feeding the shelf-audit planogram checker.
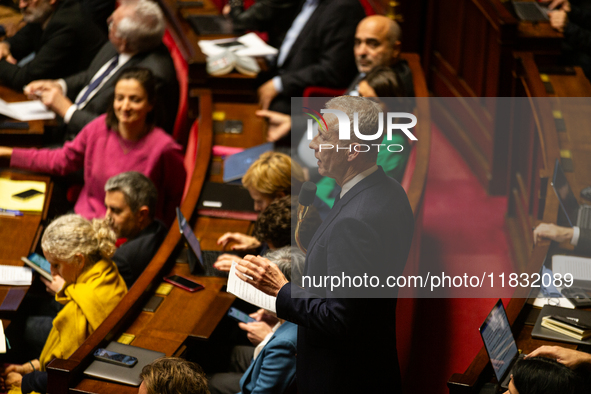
(181, 126)
(367, 7)
(410, 168)
(191, 154)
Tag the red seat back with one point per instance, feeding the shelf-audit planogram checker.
(182, 73)
(410, 168)
(367, 7)
(191, 154)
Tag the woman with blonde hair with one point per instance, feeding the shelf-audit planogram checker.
(272, 176)
(86, 282)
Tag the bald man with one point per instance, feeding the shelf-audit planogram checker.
(377, 43)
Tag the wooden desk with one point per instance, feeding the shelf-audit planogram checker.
(233, 87)
(30, 137)
(536, 147)
(18, 237)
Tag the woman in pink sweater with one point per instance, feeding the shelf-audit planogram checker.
(124, 139)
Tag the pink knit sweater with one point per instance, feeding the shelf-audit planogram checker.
(103, 153)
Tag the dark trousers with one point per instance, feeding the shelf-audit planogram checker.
(229, 382)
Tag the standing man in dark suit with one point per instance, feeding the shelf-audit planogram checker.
(316, 51)
(347, 341)
(59, 40)
(135, 40)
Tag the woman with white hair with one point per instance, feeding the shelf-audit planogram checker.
(86, 282)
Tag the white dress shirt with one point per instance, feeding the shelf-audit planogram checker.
(123, 58)
(357, 178)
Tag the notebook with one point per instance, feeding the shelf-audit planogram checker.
(577, 215)
(540, 332)
(226, 200)
(119, 374)
(499, 343)
(200, 262)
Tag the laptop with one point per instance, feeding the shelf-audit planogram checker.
(577, 215)
(125, 375)
(236, 165)
(226, 197)
(200, 262)
(531, 11)
(499, 343)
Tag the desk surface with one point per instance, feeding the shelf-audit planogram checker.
(233, 87)
(31, 136)
(18, 237)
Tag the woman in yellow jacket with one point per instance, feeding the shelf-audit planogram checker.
(79, 252)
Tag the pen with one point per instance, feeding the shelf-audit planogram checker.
(10, 212)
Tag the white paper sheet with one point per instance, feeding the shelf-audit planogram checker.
(252, 45)
(15, 276)
(578, 267)
(249, 293)
(26, 110)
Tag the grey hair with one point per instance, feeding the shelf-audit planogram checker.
(394, 32)
(290, 261)
(71, 234)
(369, 113)
(137, 189)
(144, 28)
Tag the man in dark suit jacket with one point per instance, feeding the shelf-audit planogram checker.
(61, 39)
(271, 16)
(131, 202)
(377, 43)
(347, 342)
(136, 38)
(321, 54)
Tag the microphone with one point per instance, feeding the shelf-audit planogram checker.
(305, 199)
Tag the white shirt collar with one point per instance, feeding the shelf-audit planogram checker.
(357, 178)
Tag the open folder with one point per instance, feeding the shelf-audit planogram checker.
(9, 187)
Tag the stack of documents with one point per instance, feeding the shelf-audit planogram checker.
(15, 276)
(8, 188)
(26, 110)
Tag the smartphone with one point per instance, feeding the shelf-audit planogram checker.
(40, 261)
(27, 194)
(39, 264)
(239, 315)
(115, 358)
(184, 283)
